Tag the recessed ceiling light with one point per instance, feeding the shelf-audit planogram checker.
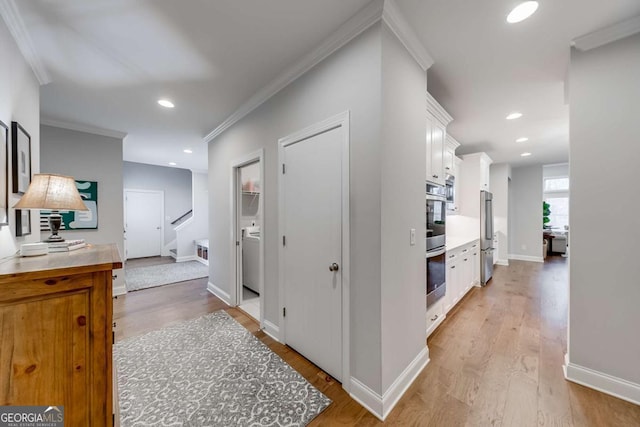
(514, 115)
(522, 11)
(172, 163)
(523, 139)
(188, 150)
(525, 154)
(166, 103)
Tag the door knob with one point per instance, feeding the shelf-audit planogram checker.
(334, 267)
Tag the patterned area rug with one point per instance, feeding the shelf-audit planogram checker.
(210, 371)
(158, 275)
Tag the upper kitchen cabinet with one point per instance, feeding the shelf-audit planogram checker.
(449, 163)
(474, 177)
(437, 121)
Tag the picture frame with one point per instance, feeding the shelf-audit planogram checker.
(20, 158)
(23, 222)
(4, 174)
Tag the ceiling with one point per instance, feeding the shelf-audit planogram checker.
(111, 60)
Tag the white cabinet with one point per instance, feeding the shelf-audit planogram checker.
(450, 297)
(449, 158)
(437, 121)
(496, 243)
(435, 316)
(466, 272)
(475, 255)
(474, 175)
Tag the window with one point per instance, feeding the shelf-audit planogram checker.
(559, 207)
(556, 184)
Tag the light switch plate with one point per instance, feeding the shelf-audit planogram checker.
(412, 238)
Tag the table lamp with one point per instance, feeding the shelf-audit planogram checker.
(55, 193)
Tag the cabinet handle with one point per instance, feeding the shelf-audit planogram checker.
(466, 259)
(434, 318)
(453, 266)
(447, 167)
(451, 256)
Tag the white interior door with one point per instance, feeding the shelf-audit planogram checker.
(143, 223)
(312, 253)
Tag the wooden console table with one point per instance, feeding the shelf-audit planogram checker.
(56, 333)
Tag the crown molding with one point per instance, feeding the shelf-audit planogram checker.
(362, 20)
(373, 12)
(83, 128)
(437, 111)
(15, 24)
(394, 19)
(452, 142)
(607, 35)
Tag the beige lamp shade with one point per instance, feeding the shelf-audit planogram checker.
(54, 192)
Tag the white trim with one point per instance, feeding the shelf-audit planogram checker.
(526, 258)
(608, 384)
(183, 224)
(255, 156)
(187, 258)
(166, 249)
(224, 296)
(397, 23)
(367, 16)
(339, 120)
(381, 406)
(607, 35)
(272, 330)
(11, 15)
(437, 111)
(451, 143)
(124, 201)
(120, 290)
(503, 262)
(83, 128)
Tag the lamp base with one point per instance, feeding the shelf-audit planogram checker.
(55, 221)
(54, 238)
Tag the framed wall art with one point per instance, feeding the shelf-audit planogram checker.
(21, 158)
(77, 220)
(4, 174)
(23, 222)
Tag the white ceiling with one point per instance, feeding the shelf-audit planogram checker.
(111, 60)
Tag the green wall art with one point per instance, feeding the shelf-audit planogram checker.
(77, 220)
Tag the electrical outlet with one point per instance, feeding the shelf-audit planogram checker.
(412, 237)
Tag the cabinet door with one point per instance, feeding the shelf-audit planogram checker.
(466, 272)
(437, 153)
(484, 174)
(45, 345)
(435, 316)
(429, 141)
(448, 161)
(475, 265)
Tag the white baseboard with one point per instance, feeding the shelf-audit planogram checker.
(119, 290)
(503, 262)
(272, 330)
(187, 258)
(224, 296)
(618, 387)
(381, 406)
(202, 260)
(526, 258)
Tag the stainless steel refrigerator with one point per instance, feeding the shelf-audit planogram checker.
(486, 237)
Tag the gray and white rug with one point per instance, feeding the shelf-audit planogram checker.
(157, 275)
(210, 371)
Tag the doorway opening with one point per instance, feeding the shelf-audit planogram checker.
(248, 234)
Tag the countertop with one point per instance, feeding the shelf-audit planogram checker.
(456, 242)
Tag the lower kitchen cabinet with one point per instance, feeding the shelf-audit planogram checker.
(435, 315)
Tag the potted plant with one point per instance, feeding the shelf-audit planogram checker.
(546, 211)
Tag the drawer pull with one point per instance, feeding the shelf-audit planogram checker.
(50, 282)
(434, 318)
(82, 320)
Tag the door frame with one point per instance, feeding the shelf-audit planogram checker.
(235, 265)
(337, 121)
(124, 202)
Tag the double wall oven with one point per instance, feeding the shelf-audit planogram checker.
(436, 201)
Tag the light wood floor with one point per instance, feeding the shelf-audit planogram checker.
(495, 361)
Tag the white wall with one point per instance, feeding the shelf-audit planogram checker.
(500, 175)
(349, 79)
(525, 238)
(604, 152)
(198, 226)
(20, 102)
(174, 182)
(90, 157)
(403, 267)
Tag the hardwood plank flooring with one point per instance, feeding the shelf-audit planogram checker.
(495, 361)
